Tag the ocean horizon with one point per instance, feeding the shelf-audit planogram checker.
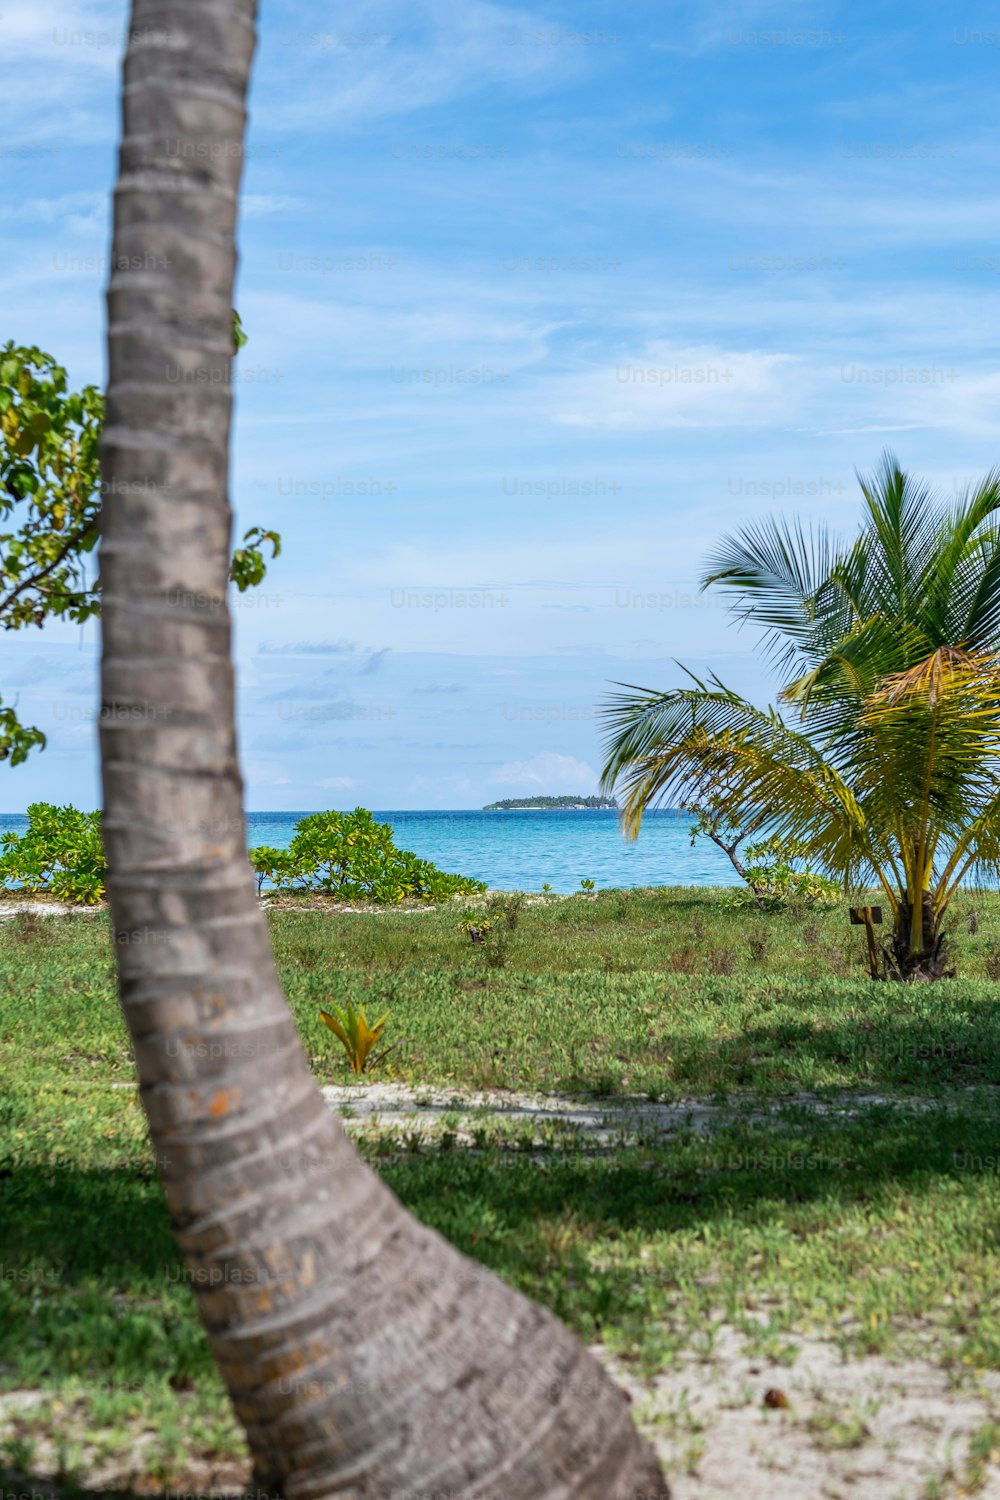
(522, 849)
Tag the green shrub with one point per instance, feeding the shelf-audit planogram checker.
(347, 854)
(506, 907)
(490, 932)
(275, 865)
(779, 876)
(60, 854)
(352, 856)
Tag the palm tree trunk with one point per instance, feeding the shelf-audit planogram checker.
(365, 1357)
(929, 957)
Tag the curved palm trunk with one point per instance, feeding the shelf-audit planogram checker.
(365, 1357)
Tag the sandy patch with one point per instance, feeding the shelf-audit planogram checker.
(862, 1429)
(859, 1429)
(11, 909)
(422, 1110)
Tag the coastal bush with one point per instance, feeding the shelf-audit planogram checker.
(352, 856)
(490, 930)
(780, 875)
(506, 906)
(491, 935)
(60, 855)
(275, 865)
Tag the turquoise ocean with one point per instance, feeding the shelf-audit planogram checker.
(522, 850)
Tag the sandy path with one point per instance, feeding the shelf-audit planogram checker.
(389, 1105)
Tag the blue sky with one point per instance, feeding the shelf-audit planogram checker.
(541, 301)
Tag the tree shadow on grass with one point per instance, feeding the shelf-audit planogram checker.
(906, 1052)
(87, 1233)
(93, 1285)
(743, 1180)
(106, 1294)
(748, 1168)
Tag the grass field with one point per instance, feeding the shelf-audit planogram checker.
(875, 1223)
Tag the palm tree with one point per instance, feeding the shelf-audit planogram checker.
(364, 1355)
(882, 760)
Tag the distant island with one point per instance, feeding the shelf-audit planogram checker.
(540, 804)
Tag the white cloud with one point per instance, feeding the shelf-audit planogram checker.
(262, 773)
(343, 783)
(78, 210)
(63, 69)
(548, 773)
(689, 386)
(268, 203)
(414, 56)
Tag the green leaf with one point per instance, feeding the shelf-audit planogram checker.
(50, 498)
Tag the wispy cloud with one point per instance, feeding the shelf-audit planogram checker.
(313, 648)
(547, 772)
(667, 386)
(534, 322)
(381, 63)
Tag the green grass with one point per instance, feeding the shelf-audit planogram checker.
(879, 1228)
(674, 997)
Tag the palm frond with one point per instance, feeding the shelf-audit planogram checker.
(680, 745)
(929, 747)
(903, 519)
(893, 765)
(962, 588)
(777, 571)
(976, 596)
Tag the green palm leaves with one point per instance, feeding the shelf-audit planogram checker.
(357, 1038)
(678, 747)
(883, 759)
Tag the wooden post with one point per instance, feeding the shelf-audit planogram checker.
(868, 915)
